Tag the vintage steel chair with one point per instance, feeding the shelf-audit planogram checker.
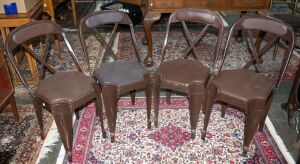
(184, 75)
(118, 77)
(61, 93)
(248, 90)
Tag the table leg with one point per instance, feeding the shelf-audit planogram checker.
(3, 34)
(32, 65)
(239, 37)
(74, 12)
(149, 19)
(291, 105)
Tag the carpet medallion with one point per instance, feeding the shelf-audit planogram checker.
(170, 142)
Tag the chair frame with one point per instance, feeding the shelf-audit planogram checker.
(195, 90)
(62, 111)
(110, 93)
(255, 110)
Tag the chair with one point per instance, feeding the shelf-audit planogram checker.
(248, 90)
(184, 75)
(118, 77)
(6, 89)
(61, 93)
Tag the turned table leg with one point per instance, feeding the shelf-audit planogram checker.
(149, 19)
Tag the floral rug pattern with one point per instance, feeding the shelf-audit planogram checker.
(19, 142)
(170, 142)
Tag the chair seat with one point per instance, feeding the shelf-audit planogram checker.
(243, 85)
(120, 73)
(183, 72)
(65, 87)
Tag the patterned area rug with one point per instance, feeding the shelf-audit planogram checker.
(21, 142)
(170, 142)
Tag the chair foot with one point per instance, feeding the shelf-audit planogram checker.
(69, 156)
(245, 150)
(104, 134)
(42, 134)
(149, 124)
(112, 138)
(203, 134)
(193, 134)
(222, 115)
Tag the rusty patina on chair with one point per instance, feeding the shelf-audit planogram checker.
(61, 93)
(248, 90)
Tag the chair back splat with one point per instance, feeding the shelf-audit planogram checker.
(246, 89)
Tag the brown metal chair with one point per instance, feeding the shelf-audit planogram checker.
(248, 90)
(184, 75)
(118, 77)
(61, 93)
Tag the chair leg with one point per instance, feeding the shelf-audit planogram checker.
(110, 100)
(223, 110)
(209, 102)
(262, 123)
(38, 106)
(255, 114)
(196, 98)
(14, 108)
(132, 95)
(63, 118)
(168, 96)
(148, 93)
(99, 109)
(155, 80)
(77, 114)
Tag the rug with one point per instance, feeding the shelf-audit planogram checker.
(21, 142)
(170, 142)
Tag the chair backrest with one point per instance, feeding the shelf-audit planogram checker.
(21, 35)
(98, 19)
(268, 25)
(193, 15)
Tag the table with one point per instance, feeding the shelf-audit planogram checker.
(8, 21)
(48, 6)
(153, 9)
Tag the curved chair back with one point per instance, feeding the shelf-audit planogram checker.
(22, 34)
(100, 18)
(203, 16)
(276, 28)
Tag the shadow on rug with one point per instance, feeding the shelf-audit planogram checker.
(170, 142)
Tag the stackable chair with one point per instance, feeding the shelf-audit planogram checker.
(120, 76)
(185, 75)
(61, 93)
(245, 88)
